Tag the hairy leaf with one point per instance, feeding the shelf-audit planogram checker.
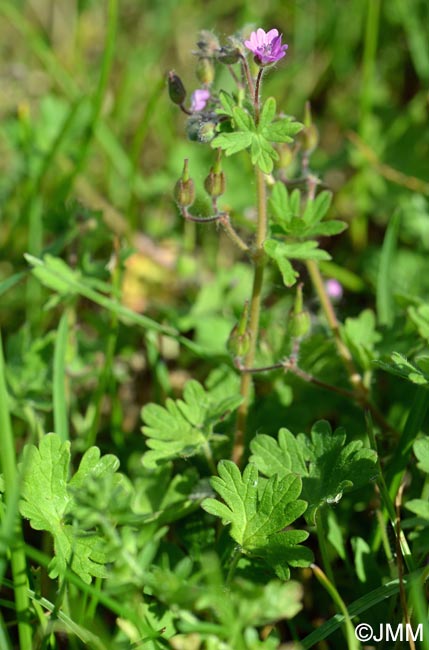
(263, 154)
(281, 130)
(258, 511)
(183, 427)
(325, 463)
(268, 112)
(232, 142)
(416, 373)
(289, 274)
(361, 337)
(48, 502)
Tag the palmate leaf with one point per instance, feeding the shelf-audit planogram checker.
(233, 142)
(325, 463)
(361, 337)
(263, 153)
(416, 373)
(293, 220)
(183, 427)
(48, 502)
(258, 137)
(281, 252)
(258, 511)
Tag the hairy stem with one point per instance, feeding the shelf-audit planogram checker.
(257, 94)
(248, 75)
(233, 565)
(322, 539)
(254, 312)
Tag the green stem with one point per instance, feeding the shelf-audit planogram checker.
(248, 76)
(388, 503)
(17, 554)
(352, 642)
(368, 63)
(233, 234)
(61, 425)
(322, 539)
(328, 310)
(254, 313)
(236, 555)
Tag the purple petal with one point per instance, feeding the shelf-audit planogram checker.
(199, 99)
(260, 36)
(272, 34)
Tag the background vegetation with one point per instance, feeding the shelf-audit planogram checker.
(90, 150)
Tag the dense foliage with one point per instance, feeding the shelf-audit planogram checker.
(214, 360)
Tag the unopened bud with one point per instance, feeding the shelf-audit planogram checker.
(299, 320)
(207, 131)
(208, 43)
(184, 190)
(205, 71)
(176, 89)
(286, 154)
(228, 55)
(215, 181)
(309, 135)
(239, 338)
(192, 128)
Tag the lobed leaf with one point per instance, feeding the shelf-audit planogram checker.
(232, 142)
(184, 426)
(48, 502)
(258, 511)
(263, 154)
(268, 112)
(325, 463)
(281, 130)
(400, 366)
(289, 274)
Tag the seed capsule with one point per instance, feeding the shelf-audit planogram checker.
(176, 89)
(184, 190)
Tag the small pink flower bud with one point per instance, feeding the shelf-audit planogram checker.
(334, 289)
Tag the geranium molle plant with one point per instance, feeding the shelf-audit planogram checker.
(291, 210)
(286, 230)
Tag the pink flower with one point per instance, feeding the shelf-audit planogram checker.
(334, 289)
(199, 99)
(267, 47)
